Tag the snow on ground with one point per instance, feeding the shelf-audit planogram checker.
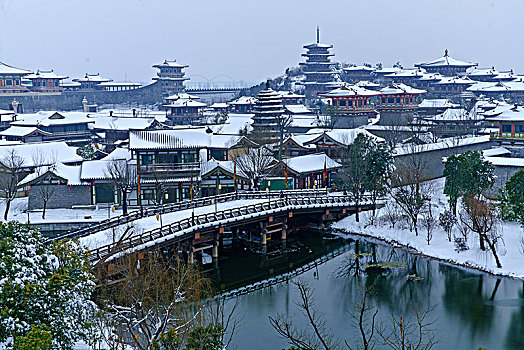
(18, 212)
(150, 223)
(510, 250)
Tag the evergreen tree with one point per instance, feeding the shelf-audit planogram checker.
(467, 175)
(42, 285)
(512, 198)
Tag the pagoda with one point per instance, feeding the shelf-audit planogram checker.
(317, 68)
(268, 111)
(170, 76)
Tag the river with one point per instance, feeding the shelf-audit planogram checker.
(471, 308)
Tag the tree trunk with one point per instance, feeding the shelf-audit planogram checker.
(494, 252)
(7, 206)
(482, 245)
(43, 211)
(124, 202)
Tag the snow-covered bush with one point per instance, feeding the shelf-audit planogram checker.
(447, 220)
(43, 285)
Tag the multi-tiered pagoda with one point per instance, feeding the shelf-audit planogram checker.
(268, 115)
(171, 76)
(317, 68)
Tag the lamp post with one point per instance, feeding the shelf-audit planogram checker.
(268, 191)
(213, 201)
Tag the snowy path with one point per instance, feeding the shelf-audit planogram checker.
(149, 223)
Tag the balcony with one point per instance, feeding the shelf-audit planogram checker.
(506, 136)
(170, 167)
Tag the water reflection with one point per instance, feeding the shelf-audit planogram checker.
(473, 309)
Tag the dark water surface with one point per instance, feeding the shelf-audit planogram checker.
(472, 308)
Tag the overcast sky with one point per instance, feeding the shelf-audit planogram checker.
(252, 40)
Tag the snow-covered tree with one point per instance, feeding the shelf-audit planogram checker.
(43, 285)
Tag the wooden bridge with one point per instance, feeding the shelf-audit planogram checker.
(260, 222)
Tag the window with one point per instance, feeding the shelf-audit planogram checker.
(8, 82)
(147, 159)
(391, 100)
(167, 158)
(506, 127)
(342, 103)
(519, 128)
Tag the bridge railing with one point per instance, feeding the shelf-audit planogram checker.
(183, 205)
(209, 218)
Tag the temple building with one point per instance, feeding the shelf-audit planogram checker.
(171, 76)
(350, 106)
(243, 104)
(45, 81)
(510, 124)
(451, 86)
(397, 103)
(317, 68)
(184, 109)
(268, 111)
(91, 82)
(11, 79)
(446, 65)
(354, 74)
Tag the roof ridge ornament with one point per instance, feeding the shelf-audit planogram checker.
(446, 53)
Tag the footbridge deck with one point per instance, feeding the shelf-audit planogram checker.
(202, 231)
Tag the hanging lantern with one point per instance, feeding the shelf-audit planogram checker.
(29, 188)
(89, 188)
(59, 182)
(69, 187)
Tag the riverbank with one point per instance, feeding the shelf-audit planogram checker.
(510, 249)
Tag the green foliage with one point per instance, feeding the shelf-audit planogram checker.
(38, 338)
(206, 338)
(467, 174)
(87, 152)
(512, 198)
(367, 166)
(168, 341)
(43, 285)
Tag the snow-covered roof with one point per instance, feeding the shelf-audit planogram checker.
(506, 161)
(386, 70)
(407, 73)
(51, 152)
(7, 69)
(244, 100)
(172, 63)
(226, 165)
(349, 90)
(290, 95)
(219, 105)
(494, 152)
(45, 74)
(437, 103)
(318, 45)
(456, 81)
(105, 122)
(183, 96)
(367, 84)
(513, 114)
(442, 144)
(310, 163)
(483, 72)
(180, 138)
(118, 153)
(446, 61)
(453, 114)
(48, 118)
(297, 109)
(117, 84)
(358, 68)
(500, 87)
(400, 88)
(70, 173)
(234, 123)
(185, 103)
(20, 131)
(95, 78)
(342, 136)
(95, 169)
